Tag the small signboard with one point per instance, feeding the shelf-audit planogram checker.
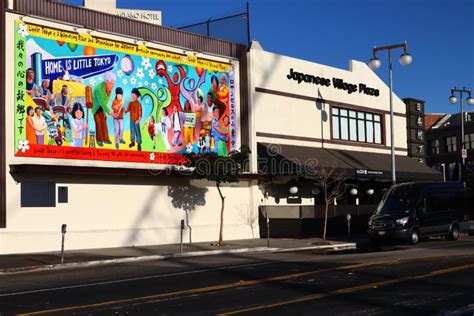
(464, 153)
(190, 120)
(52, 130)
(369, 172)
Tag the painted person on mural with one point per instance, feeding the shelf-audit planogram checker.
(223, 91)
(44, 91)
(177, 123)
(31, 87)
(101, 96)
(62, 99)
(165, 125)
(135, 109)
(39, 124)
(117, 107)
(79, 126)
(215, 130)
(30, 125)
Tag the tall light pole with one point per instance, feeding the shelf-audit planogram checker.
(374, 63)
(470, 100)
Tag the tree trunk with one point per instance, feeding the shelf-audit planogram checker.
(325, 214)
(221, 229)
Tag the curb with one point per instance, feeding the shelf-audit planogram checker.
(94, 263)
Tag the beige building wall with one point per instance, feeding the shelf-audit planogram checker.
(306, 122)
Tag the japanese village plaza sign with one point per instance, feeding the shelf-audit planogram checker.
(337, 83)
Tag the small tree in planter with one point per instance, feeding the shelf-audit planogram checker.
(219, 170)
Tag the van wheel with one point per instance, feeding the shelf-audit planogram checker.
(453, 233)
(414, 237)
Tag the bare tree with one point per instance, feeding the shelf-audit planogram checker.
(248, 217)
(219, 170)
(333, 184)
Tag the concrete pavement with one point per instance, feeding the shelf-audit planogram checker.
(18, 263)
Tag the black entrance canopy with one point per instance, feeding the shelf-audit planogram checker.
(277, 159)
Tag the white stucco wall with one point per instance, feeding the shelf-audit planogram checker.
(112, 215)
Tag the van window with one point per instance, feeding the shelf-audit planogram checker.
(398, 201)
(444, 201)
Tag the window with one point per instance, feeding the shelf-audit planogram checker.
(434, 146)
(38, 194)
(356, 126)
(451, 144)
(469, 141)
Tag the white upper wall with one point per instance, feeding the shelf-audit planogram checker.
(270, 71)
(286, 111)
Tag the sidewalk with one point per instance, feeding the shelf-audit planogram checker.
(17, 263)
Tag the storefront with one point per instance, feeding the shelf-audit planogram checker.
(306, 114)
(96, 125)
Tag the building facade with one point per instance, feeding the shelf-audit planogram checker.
(73, 153)
(444, 143)
(305, 114)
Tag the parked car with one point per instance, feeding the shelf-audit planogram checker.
(409, 211)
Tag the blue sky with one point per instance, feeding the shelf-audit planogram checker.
(440, 35)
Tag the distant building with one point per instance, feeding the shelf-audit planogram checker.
(110, 6)
(444, 143)
(431, 119)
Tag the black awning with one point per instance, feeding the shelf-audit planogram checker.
(278, 159)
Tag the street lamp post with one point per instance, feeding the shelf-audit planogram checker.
(374, 63)
(444, 171)
(470, 100)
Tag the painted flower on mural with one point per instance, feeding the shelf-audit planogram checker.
(152, 156)
(160, 81)
(125, 81)
(189, 148)
(153, 86)
(140, 84)
(23, 145)
(147, 100)
(146, 63)
(23, 30)
(92, 81)
(120, 73)
(146, 83)
(133, 80)
(151, 73)
(170, 68)
(140, 73)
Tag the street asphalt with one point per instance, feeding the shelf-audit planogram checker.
(432, 278)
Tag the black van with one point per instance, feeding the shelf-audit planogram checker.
(412, 210)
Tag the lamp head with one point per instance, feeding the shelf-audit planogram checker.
(405, 59)
(374, 63)
(453, 99)
(470, 100)
(294, 190)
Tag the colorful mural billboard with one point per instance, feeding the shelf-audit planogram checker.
(87, 98)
